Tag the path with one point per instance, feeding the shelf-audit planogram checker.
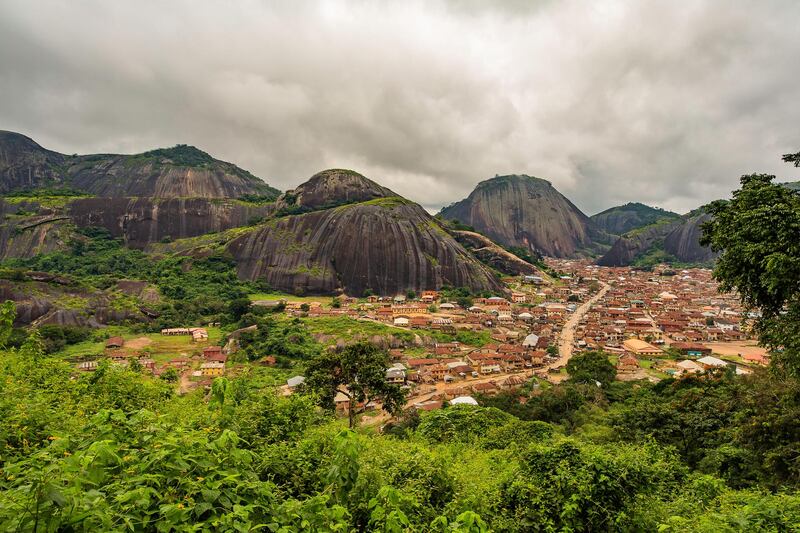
(566, 339)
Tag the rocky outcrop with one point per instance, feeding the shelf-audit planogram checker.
(624, 218)
(669, 240)
(684, 241)
(386, 245)
(331, 188)
(59, 301)
(31, 236)
(489, 253)
(26, 165)
(523, 211)
(178, 172)
(628, 248)
(142, 221)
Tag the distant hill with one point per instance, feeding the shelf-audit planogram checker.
(668, 240)
(527, 212)
(624, 218)
(178, 172)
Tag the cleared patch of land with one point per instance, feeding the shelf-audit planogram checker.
(325, 300)
(736, 348)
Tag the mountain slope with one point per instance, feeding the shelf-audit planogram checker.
(26, 165)
(624, 218)
(385, 245)
(667, 240)
(178, 172)
(523, 211)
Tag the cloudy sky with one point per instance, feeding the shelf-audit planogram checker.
(665, 102)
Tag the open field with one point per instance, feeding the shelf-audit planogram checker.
(159, 347)
(736, 348)
(325, 300)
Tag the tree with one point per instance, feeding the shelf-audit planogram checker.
(239, 307)
(757, 233)
(792, 158)
(170, 375)
(589, 367)
(135, 365)
(8, 313)
(359, 372)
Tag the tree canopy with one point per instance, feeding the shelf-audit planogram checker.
(590, 367)
(757, 234)
(357, 371)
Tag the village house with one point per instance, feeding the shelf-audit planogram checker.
(87, 366)
(709, 362)
(691, 349)
(640, 347)
(429, 296)
(627, 364)
(115, 342)
(199, 334)
(688, 366)
(212, 369)
(395, 375)
(176, 331)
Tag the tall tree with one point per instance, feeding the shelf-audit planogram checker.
(757, 233)
(358, 371)
(590, 367)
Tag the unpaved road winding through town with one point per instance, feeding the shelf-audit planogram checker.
(566, 338)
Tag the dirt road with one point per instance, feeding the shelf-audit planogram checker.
(566, 338)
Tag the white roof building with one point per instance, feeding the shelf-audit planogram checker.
(712, 361)
(531, 341)
(463, 400)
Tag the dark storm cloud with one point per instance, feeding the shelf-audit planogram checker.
(661, 102)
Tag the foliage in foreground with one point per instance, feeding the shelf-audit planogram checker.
(117, 451)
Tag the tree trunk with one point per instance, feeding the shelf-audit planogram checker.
(351, 413)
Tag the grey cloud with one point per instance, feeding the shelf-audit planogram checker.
(662, 102)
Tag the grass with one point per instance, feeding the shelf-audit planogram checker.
(162, 348)
(342, 326)
(289, 297)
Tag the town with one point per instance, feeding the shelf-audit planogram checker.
(652, 324)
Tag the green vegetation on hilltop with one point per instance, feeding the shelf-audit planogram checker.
(624, 218)
(180, 154)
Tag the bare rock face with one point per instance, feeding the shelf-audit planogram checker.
(628, 248)
(142, 221)
(523, 211)
(489, 253)
(165, 173)
(331, 188)
(684, 241)
(385, 244)
(26, 165)
(178, 172)
(29, 237)
(678, 239)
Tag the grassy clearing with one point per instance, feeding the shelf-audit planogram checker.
(159, 347)
(325, 300)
